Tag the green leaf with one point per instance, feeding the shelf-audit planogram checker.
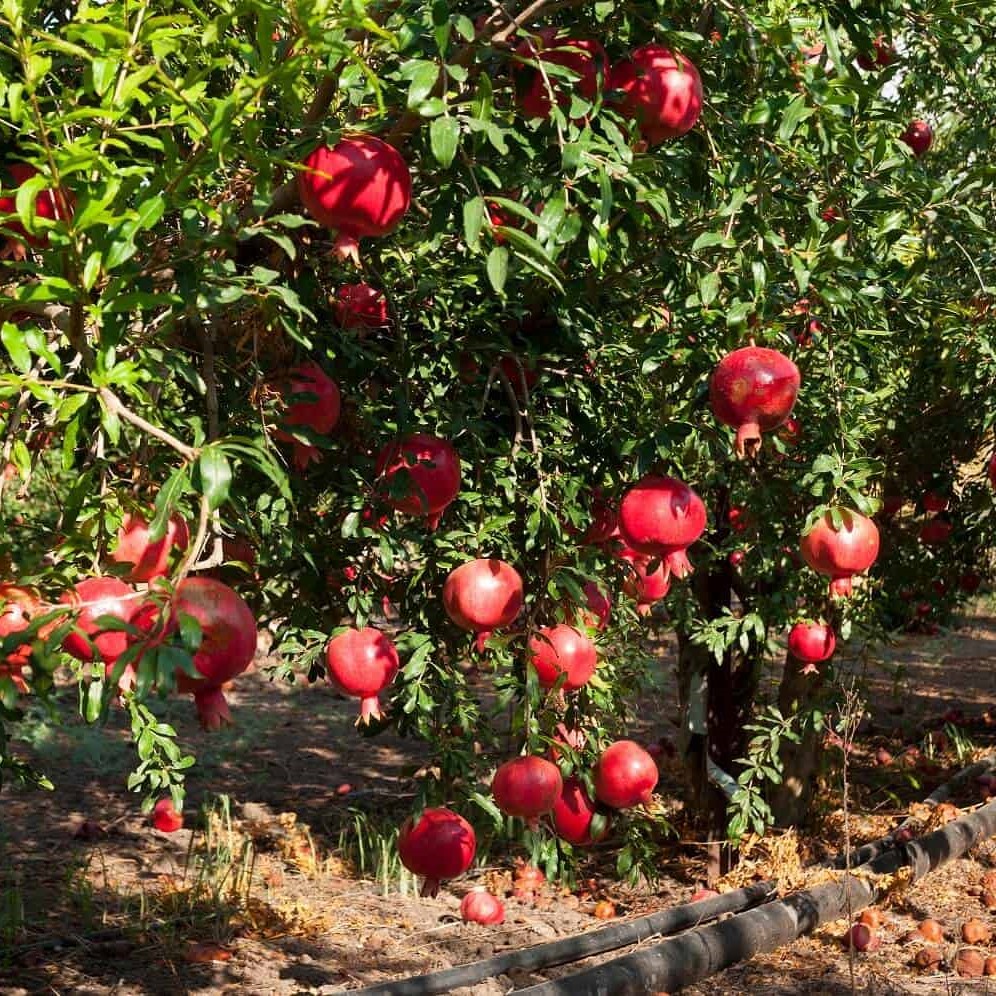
(473, 221)
(498, 268)
(15, 344)
(444, 137)
(213, 476)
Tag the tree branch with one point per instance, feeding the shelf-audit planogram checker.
(116, 406)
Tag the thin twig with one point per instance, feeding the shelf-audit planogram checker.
(116, 406)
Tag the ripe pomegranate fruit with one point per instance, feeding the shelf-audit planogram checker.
(662, 516)
(791, 432)
(165, 818)
(598, 606)
(661, 90)
(934, 503)
(882, 54)
(840, 555)
(812, 643)
(18, 606)
(582, 56)
(918, 136)
(736, 558)
(861, 937)
(625, 775)
(891, 504)
(753, 389)
(642, 584)
(51, 205)
(480, 906)
(317, 408)
(426, 472)
(362, 663)
(149, 559)
(228, 644)
(440, 845)
(360, 306)
(482, 595)
(95, 598)
(562, 650)
(604, 519)
(936, 532)
(361, 187)
(969, 582)
(573, 813)
(527, 787)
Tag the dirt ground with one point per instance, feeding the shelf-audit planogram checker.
(261, 898)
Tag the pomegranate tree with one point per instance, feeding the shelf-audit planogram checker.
(841, 553)
(360, 187)
(753, 390)
(662, 516)
(812, 643)
(574, 812)
(419, 475)
(483, 595)
(362, 663)
(661, 90)
(549, 46)
(625, 775)
(527, 787)
(440, 845)
(561, 650)
(149, 558)
(313, 402)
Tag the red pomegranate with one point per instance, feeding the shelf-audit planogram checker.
(18, 607)
(604, 519)
(882, 54)
(840, 555)
(48, 204)
(95, 598)
(969, 582)
(812, 643)
(228, 643)
(918, 136)
(527, 787)
(419, 475)
(644, 585)
(625, 775)
(440, 845)
(572, 738)
(316, 407)
(753, 389)
(361, 187)
(480, 906)
(562, 650)
(582, 56)
(661, 90)
(662, 516)
(891, 504)
(165, 818)
(598, 606)
(362, 663)
(149, 558)
(482, 595)
(360, 306)
(936, 532)
(736, 558)
(573, 813)
(791, 432)
(934, 503)
(991, 470)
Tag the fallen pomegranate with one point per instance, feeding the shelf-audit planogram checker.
(918, 136)
(317, 407)
(360, 306)
(527, 787)
(149, 558)
(700, 895)
(419, 475)
(165, 817)
(94, 599)
(549, 46)
(480, 906)
(661, 90)
(812, 643)
(840, 554)
(440, 845)
(574, 813)
(861, 937)
(362, 663)
(625, 775)
(361, 187)
(482, 595)
(662, 516)
(753, 390)
(561, 650)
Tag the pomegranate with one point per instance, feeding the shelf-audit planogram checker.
(482, 595)
(95, 598)
(149, 558)
(426, 472)
(844, 553)
(936, 532)
(573, 813)
(738, 519)
(605, 520)
(791, 432)
(811, 643)
(564, 736)
(934, 503)
(662, 516)
(582, 56)
(991, 470)
(599, 608)
(165, 818)
(361, 187)
(228, 644)
(562, 650)
(969, 582)
(625, 775)
(646, 586)
(440, 845)
(701, 895)
(918, 136)
(753, 389)
(360, 306)
(527, 787)
(882, 54)
(18, 606)
(362, 663)
(316, 408)
(661, 90)
(480, 906)
(48, 204)
(736, 558)
(891, 504)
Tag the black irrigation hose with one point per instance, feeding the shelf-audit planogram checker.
(578, 946)
(703, 951)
